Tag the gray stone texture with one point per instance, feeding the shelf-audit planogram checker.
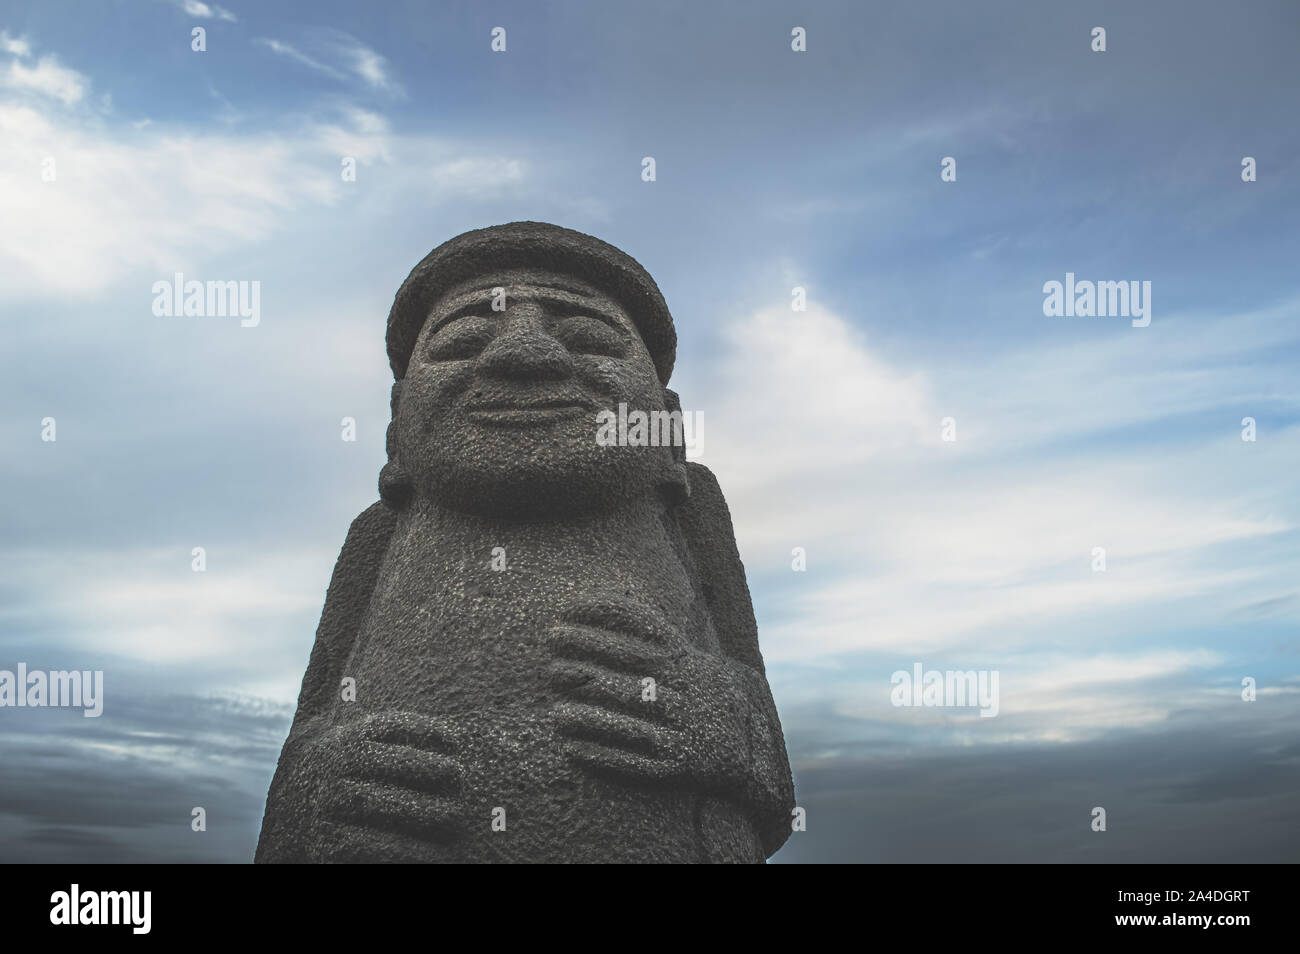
(501, 714)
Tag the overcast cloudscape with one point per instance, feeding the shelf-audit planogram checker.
(775, 169)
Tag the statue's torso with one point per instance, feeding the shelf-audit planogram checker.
(448, 635)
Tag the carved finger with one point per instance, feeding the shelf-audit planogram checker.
(578, 720)
(639, 620)
(623, 692)
(424, 771)
(405, 728)
(608, 760)
(392, 808)
(581, 642)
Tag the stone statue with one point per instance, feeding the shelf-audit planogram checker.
(535, 647)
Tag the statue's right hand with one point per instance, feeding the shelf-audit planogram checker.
(390, 788)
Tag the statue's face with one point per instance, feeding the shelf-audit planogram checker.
(498, 407)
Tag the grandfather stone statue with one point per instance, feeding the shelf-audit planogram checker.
(535, 647)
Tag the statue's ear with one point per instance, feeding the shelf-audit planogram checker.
(390, 439)
(679, 484)
(394, 483)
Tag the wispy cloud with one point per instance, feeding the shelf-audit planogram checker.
(207, 11)
(372, 68)
(15, 45)
(48, 78)
(111, 207)
(292, 53)
(342, 58)
(822, 442)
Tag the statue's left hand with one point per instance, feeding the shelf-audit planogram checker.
(688, 726)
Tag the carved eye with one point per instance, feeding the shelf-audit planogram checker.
(582, 334)
(461, 339)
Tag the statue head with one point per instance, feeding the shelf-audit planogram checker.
(506, 343)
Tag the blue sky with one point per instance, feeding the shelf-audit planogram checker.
(775, 169)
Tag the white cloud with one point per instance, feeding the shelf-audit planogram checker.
(207, 11)
(341, 57)
(15, 45)
(144, 200)
(150, 197)
(359, 133)
(1042, 696)
(292, 53)
(372, 68)
(46, 78)
(149, 606)
(917, 545)
(804, 391)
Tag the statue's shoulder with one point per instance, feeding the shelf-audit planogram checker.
(698, 472)
(346, 601)
(706, 507)
(364, 548)
(358, 564)
(706, 523)
(356, 570)
(372, 529)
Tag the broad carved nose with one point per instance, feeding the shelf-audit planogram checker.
(524, 350)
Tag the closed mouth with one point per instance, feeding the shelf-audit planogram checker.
(524, 413)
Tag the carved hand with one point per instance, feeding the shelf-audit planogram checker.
(389, 788)
(699, 728)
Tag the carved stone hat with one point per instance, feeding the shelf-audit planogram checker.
(531, 245)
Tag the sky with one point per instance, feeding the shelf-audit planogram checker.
(126, 156)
